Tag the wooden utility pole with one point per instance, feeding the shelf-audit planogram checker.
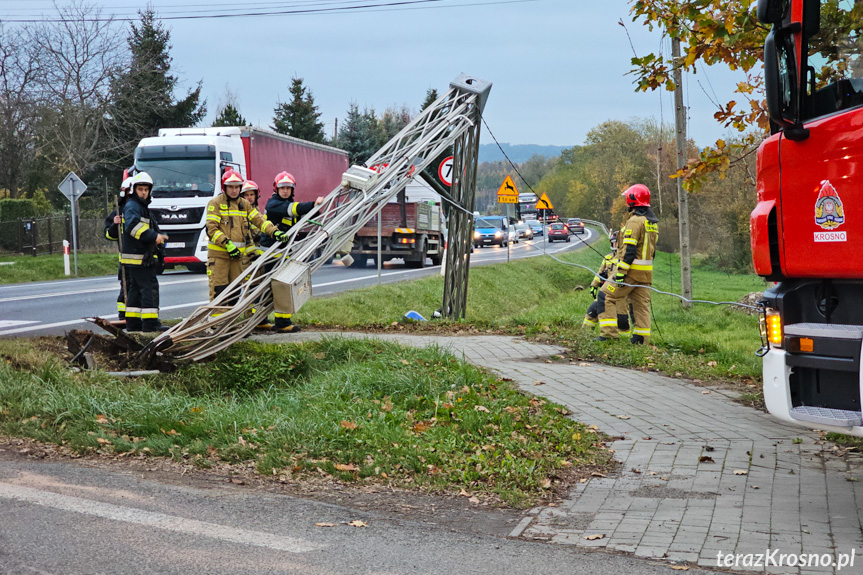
(682, 195)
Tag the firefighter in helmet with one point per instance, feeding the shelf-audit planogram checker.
(284, 212)
(112, 233)
(633, 272)
(598, 304)
(229, 228)
(139, 241)
(251, 194)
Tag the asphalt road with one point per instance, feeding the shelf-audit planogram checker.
(51, 308)
(66, 519)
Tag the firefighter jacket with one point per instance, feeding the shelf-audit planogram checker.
(284, 214)
(608, 263)
(639, 236)
(112, 230)
(231, 220)
(139, 234)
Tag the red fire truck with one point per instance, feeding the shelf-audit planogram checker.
(809, 218)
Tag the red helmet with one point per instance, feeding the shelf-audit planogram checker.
(231, 178)
(283, 180)
(637, 196)
(248, 186)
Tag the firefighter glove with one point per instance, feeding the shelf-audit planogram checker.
(619, 277)
(280, 237)
(233, 250)
(593, 291)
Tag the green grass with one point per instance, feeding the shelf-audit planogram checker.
(540, 297)
(358, 410)
(50, 267)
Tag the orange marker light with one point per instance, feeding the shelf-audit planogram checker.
(806, 344)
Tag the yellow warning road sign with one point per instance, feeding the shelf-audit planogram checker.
(507, 199)
(544, 203)
(507, 188)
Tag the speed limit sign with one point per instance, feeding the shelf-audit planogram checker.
(444, 172)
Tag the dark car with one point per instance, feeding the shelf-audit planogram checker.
(576, 226)
(558, 231)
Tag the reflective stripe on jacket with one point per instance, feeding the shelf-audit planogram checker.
(139, 234)
(231, 220)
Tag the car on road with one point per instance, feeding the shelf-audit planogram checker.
(524, 230)
(512, 236)
(557, 232)
(490, 231)
(576, 226)
(536, 227)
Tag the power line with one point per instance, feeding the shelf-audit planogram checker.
(368, 7)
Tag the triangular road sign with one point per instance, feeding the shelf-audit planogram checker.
(507, 188)
(544, 203)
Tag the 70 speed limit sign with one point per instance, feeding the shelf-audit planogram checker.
(444, 171)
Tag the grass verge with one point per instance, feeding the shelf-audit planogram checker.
(50, 267)
(359, 410)
(544, 298)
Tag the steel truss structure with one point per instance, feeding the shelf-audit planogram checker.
(453, 120)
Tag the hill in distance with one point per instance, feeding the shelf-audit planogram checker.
(518, 153)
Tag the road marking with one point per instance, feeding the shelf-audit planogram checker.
(13, 323)
(156, 520)
(87, 291)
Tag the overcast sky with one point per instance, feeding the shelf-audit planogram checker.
(558, 66)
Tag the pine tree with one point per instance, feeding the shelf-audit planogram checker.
(431, 96)
(144, 95)
(300, 117)
(360, 135)
(229, 116)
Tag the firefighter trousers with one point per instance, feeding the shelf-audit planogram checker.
(598, 306)
(142, 293)
(222, 271)
(615, 302)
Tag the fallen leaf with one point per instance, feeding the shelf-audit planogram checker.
(346, 467)
(170, 432)
(348, 424)
(583, 480)
(545, 483)
(325, 524)
(623, 417)
(705, 392)
(636, 470)
(538, 382)
(357, 523)
(711, 363)
(594, 537)
(741, 472)
(421, 426)
(474, 500)
(102, 420)
(680, 567)
(236, 481)
(463, 493)
(705, 459)
(597, 474)
(405, 362)
(103, 441)
(480, 408)
(584, 365)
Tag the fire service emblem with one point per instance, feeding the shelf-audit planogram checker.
(829, 212)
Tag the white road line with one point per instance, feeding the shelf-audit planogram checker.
(162, 521)
(13, 323)
(112, 288)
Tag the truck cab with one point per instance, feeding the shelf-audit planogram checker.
(805, 227)
(186, 165)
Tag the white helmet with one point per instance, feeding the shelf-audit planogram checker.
(125, 186)
(142, 178)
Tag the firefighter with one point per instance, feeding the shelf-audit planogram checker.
(229, 228)
(598, 305)
(251, 194)
(284, 212)
(112, 233)
(634, 268)
(140, 241)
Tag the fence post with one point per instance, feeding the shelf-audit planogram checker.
(50, 238)
(34, 235)
(20, 246)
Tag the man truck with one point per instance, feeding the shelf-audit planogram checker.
(187, 164)
(809, 219)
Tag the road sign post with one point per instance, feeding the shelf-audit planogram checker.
(73, 188)
(507, 194)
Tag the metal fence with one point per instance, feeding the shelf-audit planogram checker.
(40, 236)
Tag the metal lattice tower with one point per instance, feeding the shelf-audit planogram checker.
(453, 120)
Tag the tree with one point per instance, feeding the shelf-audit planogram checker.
(431, 96)
(144, 95)
(21, 67)
(359, 135)
(391, 123)
(300, 117)
(229, 116)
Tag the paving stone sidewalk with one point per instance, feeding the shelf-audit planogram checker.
(667, 501)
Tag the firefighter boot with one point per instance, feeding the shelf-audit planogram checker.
(637, 340)
(284, 324)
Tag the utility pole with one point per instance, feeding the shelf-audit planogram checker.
(682, 195)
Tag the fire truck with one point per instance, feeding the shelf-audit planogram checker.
(807, 227)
